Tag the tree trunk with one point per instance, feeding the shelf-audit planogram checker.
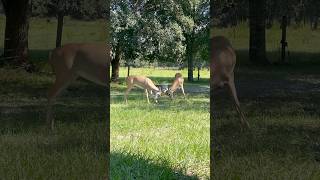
(16, 33)
(257, 46)
(189, 54)
(116, 65)
(59, 28)
(283, 42)
(128, 73)
(314, 23)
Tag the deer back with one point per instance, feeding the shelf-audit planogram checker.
(84, 59)
(223, 59)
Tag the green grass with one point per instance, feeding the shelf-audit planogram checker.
(146, 143)
(75, 150)
(300, 39)
(42, 35)
(169, 140)
(282, 105)
(303, 43)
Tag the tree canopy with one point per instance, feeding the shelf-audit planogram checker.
(152, 31)
(79, 9)
(230, 12)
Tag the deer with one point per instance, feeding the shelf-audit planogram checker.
(145, 83)
(177, 83)
(87, 60)
(223, 61)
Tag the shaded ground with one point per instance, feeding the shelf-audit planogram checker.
(282, 106)
(77, 147)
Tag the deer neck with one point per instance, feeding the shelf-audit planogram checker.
(148, 84)
(174, 85)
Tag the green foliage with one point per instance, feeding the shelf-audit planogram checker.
(226, 13)
(153, 31)
(79, 9)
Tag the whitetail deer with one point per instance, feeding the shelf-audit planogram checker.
(89, 61)
(144, 83)
(223, 61)
(177, 83)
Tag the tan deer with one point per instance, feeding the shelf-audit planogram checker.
(223, 61)
(177, 83)
(144, 83)
(89, 61)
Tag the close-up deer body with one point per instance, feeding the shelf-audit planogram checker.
(89, 61)
(223, 61)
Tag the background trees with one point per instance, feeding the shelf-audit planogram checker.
(257, 45)
(230, 12)
(19, 12)
(165, 32)
(169, 32)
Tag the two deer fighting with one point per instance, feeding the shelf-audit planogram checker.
(149, 87)
(92, 62)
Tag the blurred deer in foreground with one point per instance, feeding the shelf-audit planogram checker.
(177, 83)
(223, 61)
(89, 61)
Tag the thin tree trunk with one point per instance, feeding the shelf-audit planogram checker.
(128, 74)
(257, 46)
(59, 28)
(16, 34)
(116, 65)
(284, 43)
(314, 23)
(189, 55)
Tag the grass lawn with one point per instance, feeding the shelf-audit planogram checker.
(282, 105)
(42, 35)
(169, 140)
(77, 148)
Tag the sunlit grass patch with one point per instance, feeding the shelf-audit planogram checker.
(172, 135)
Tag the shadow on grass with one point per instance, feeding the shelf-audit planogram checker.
(168, 80)
(138, 101)
(282, 105)
(130, 166)
(298, 62)
(302, 141)
(24, 103)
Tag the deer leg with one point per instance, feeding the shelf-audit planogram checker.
(147, 95)
(182, 89)
(59, 84)
(233, 92)
(126, 93)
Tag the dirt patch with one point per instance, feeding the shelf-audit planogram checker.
(197, 89)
